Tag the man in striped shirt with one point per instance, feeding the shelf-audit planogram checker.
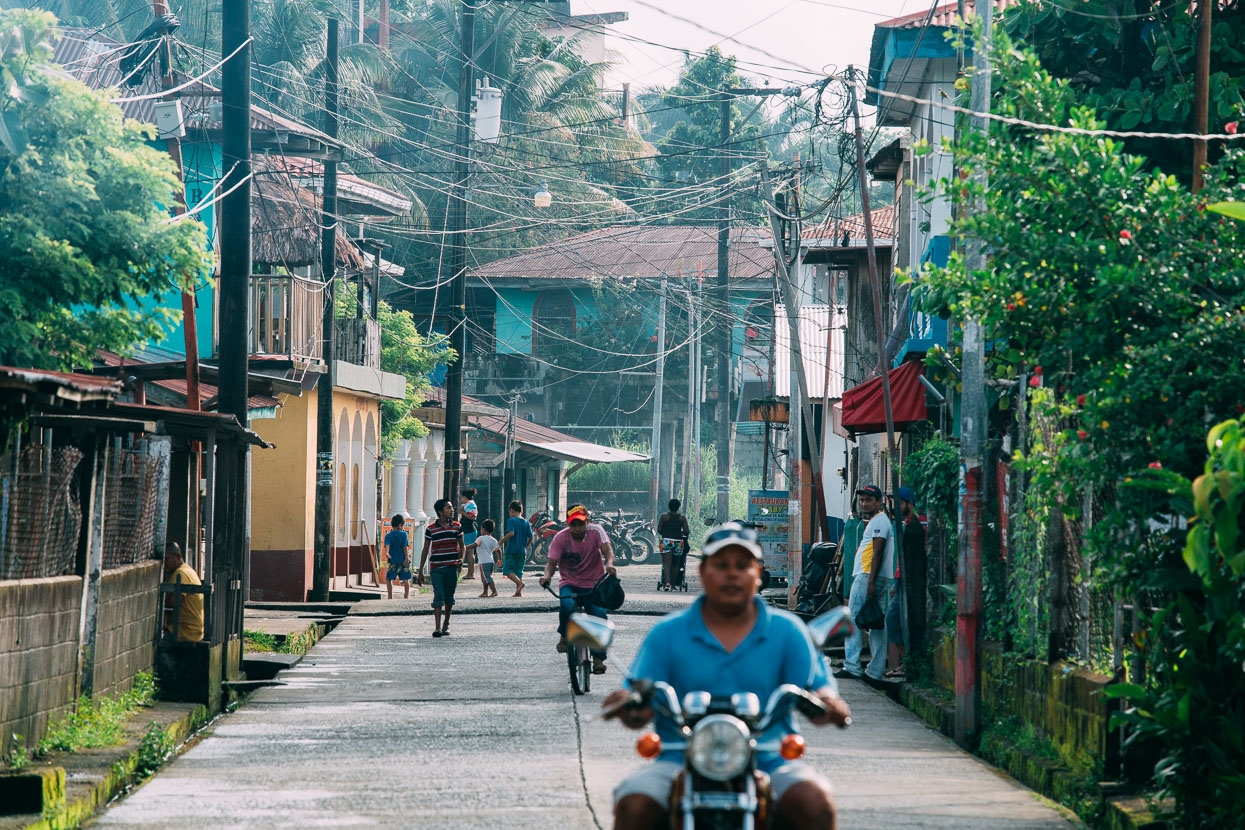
(443, 553)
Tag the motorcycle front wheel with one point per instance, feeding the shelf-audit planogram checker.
(645, 549)
(540, 552)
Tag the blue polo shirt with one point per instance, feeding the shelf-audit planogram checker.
(681, 651)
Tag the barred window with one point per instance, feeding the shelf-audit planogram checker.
(553, 319)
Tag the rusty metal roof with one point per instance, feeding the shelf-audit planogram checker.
(943, 15)
(637, 252)
(544, 440)
(63, 385)
(832, 229)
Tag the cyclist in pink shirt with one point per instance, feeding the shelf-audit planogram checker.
(582, 554)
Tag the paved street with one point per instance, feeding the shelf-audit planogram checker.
(382, 725)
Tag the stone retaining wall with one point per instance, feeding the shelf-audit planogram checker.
(39, 627)
(1064, 704)
(39, 621)
(128, 624)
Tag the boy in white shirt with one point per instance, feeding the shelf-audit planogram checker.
(484, 547)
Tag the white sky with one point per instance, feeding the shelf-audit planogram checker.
(820, 35)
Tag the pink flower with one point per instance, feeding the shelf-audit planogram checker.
(1126, 235)
(1155, 465)
(1035, 381)
(1230, 128)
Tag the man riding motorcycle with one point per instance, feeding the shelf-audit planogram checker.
(729, 641)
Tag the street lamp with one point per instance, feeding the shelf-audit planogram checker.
(542, 198)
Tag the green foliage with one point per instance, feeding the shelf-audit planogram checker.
(153, 750)
(1134, 62)
(626, 475)
(1193, 701)
(83, 215)
(934, 471)
(407, 352)
(18, 758)
(99, 722)
(258, 641)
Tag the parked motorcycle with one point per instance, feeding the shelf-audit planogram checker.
(625, 551)
(544, 528)
(720, 785)
(643, 539)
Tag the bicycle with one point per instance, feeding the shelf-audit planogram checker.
(578, 657)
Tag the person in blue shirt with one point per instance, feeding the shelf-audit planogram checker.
(730, 641)
(397, 544)
(514, 546)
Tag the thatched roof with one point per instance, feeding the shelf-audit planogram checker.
(285, 221)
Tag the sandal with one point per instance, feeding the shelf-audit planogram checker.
(445, 632)
(436, 632)
(895, 674)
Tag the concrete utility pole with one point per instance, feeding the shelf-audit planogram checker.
(1201, 101)
(235, 212)
(457, 236)
(323, 556)
(973, 424)
(721, 296)
(654, 495)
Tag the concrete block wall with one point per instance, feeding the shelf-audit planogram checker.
(39, 621)
(128, 620)
(39, 626)
(1064, 704)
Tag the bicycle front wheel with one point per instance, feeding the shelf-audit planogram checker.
(581, 668)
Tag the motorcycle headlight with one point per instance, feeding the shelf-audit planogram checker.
(721, 747)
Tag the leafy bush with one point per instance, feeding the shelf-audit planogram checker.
(154, 749)
(1193, 701)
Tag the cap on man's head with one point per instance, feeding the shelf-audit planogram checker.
(907, 494)
(576, 513)
(731, 534)
(870, 490)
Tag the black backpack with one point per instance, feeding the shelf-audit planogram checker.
(608, 593)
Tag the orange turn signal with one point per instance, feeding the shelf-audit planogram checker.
(648, 745)
(792, 747)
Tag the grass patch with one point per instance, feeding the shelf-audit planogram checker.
(296, 643)
(18, 760)
(99, 722)
(154, 749)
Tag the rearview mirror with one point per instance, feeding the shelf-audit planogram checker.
(835, 624)
(590, 631)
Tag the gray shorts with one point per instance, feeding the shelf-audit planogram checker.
(655, 780)
(486, 572)
(444, 580)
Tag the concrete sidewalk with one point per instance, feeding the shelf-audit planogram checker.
(383, 725)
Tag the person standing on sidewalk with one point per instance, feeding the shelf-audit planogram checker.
(443, 552)
(875, 561)
(582, 555)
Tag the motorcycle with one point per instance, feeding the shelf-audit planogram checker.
(643, 539)
(544, 528)
(720, 785)
(619, 535)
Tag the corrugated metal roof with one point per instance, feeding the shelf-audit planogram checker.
(943, 15)
(178, 386)
(545, 440)
(832, 229)
(92, 58)
(814, 327)
(637, 252)
(66, 385)
(310, 173)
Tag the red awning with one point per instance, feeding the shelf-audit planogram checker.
(863, 410)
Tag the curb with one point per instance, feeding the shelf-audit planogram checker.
(71, 807)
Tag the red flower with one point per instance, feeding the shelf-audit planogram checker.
(1230, 128)
(1035, 381)
(1037, 370)
(1126, 234)
(1080, 400)
(1082, 434)
(1155, 465)
(1011, 306)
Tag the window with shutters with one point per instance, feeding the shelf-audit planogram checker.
(553, 321)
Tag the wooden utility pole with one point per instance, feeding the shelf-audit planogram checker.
(457, 237)
(973, 424)
(323, 556)
(1201, 101)
(721, 297)
(655, 464)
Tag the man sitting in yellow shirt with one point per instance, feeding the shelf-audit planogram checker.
(189, 607)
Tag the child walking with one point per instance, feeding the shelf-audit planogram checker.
(398, 543)
(484, 547)
(518, 533)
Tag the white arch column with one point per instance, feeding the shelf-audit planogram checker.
(415, 495)
(398, 472)
(433, 472)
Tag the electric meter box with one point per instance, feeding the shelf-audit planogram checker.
(170, 123)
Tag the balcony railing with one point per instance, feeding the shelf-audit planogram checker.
(358, 341)
(287, 315)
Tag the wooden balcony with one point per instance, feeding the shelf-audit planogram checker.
(357, 341)
(287, 315)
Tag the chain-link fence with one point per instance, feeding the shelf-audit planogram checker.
(130, 517)
(40, 518)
